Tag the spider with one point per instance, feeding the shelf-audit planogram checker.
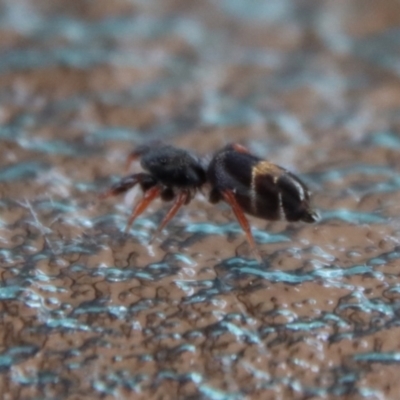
(249, 184)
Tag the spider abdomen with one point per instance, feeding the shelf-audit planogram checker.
(261, 189)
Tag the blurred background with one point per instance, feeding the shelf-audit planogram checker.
(88, 312)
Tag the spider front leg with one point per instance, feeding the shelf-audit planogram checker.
(146, 182)
(181, 199)
(149, 196)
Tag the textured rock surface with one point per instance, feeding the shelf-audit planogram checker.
(88, 312)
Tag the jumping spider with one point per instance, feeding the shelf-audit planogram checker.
(249, 184)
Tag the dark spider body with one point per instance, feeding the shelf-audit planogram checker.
(257, 187)
(171, 173)
(172, 167)
(260, 188)
(247, 183)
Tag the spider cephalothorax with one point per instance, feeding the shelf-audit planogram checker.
(171, 173)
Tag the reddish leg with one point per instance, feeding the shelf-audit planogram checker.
(229, 197)
(140, 151)
(179, 202)
(131, 158)
(148, 197)
(240, 148)
(127, 183)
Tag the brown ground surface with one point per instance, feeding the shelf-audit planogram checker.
(87, 312)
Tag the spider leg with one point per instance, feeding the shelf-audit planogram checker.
(128, 182)
(179, 202)
(140, 151)
(229, 197)
(133, 156)
(240, 148)
(148, 197)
